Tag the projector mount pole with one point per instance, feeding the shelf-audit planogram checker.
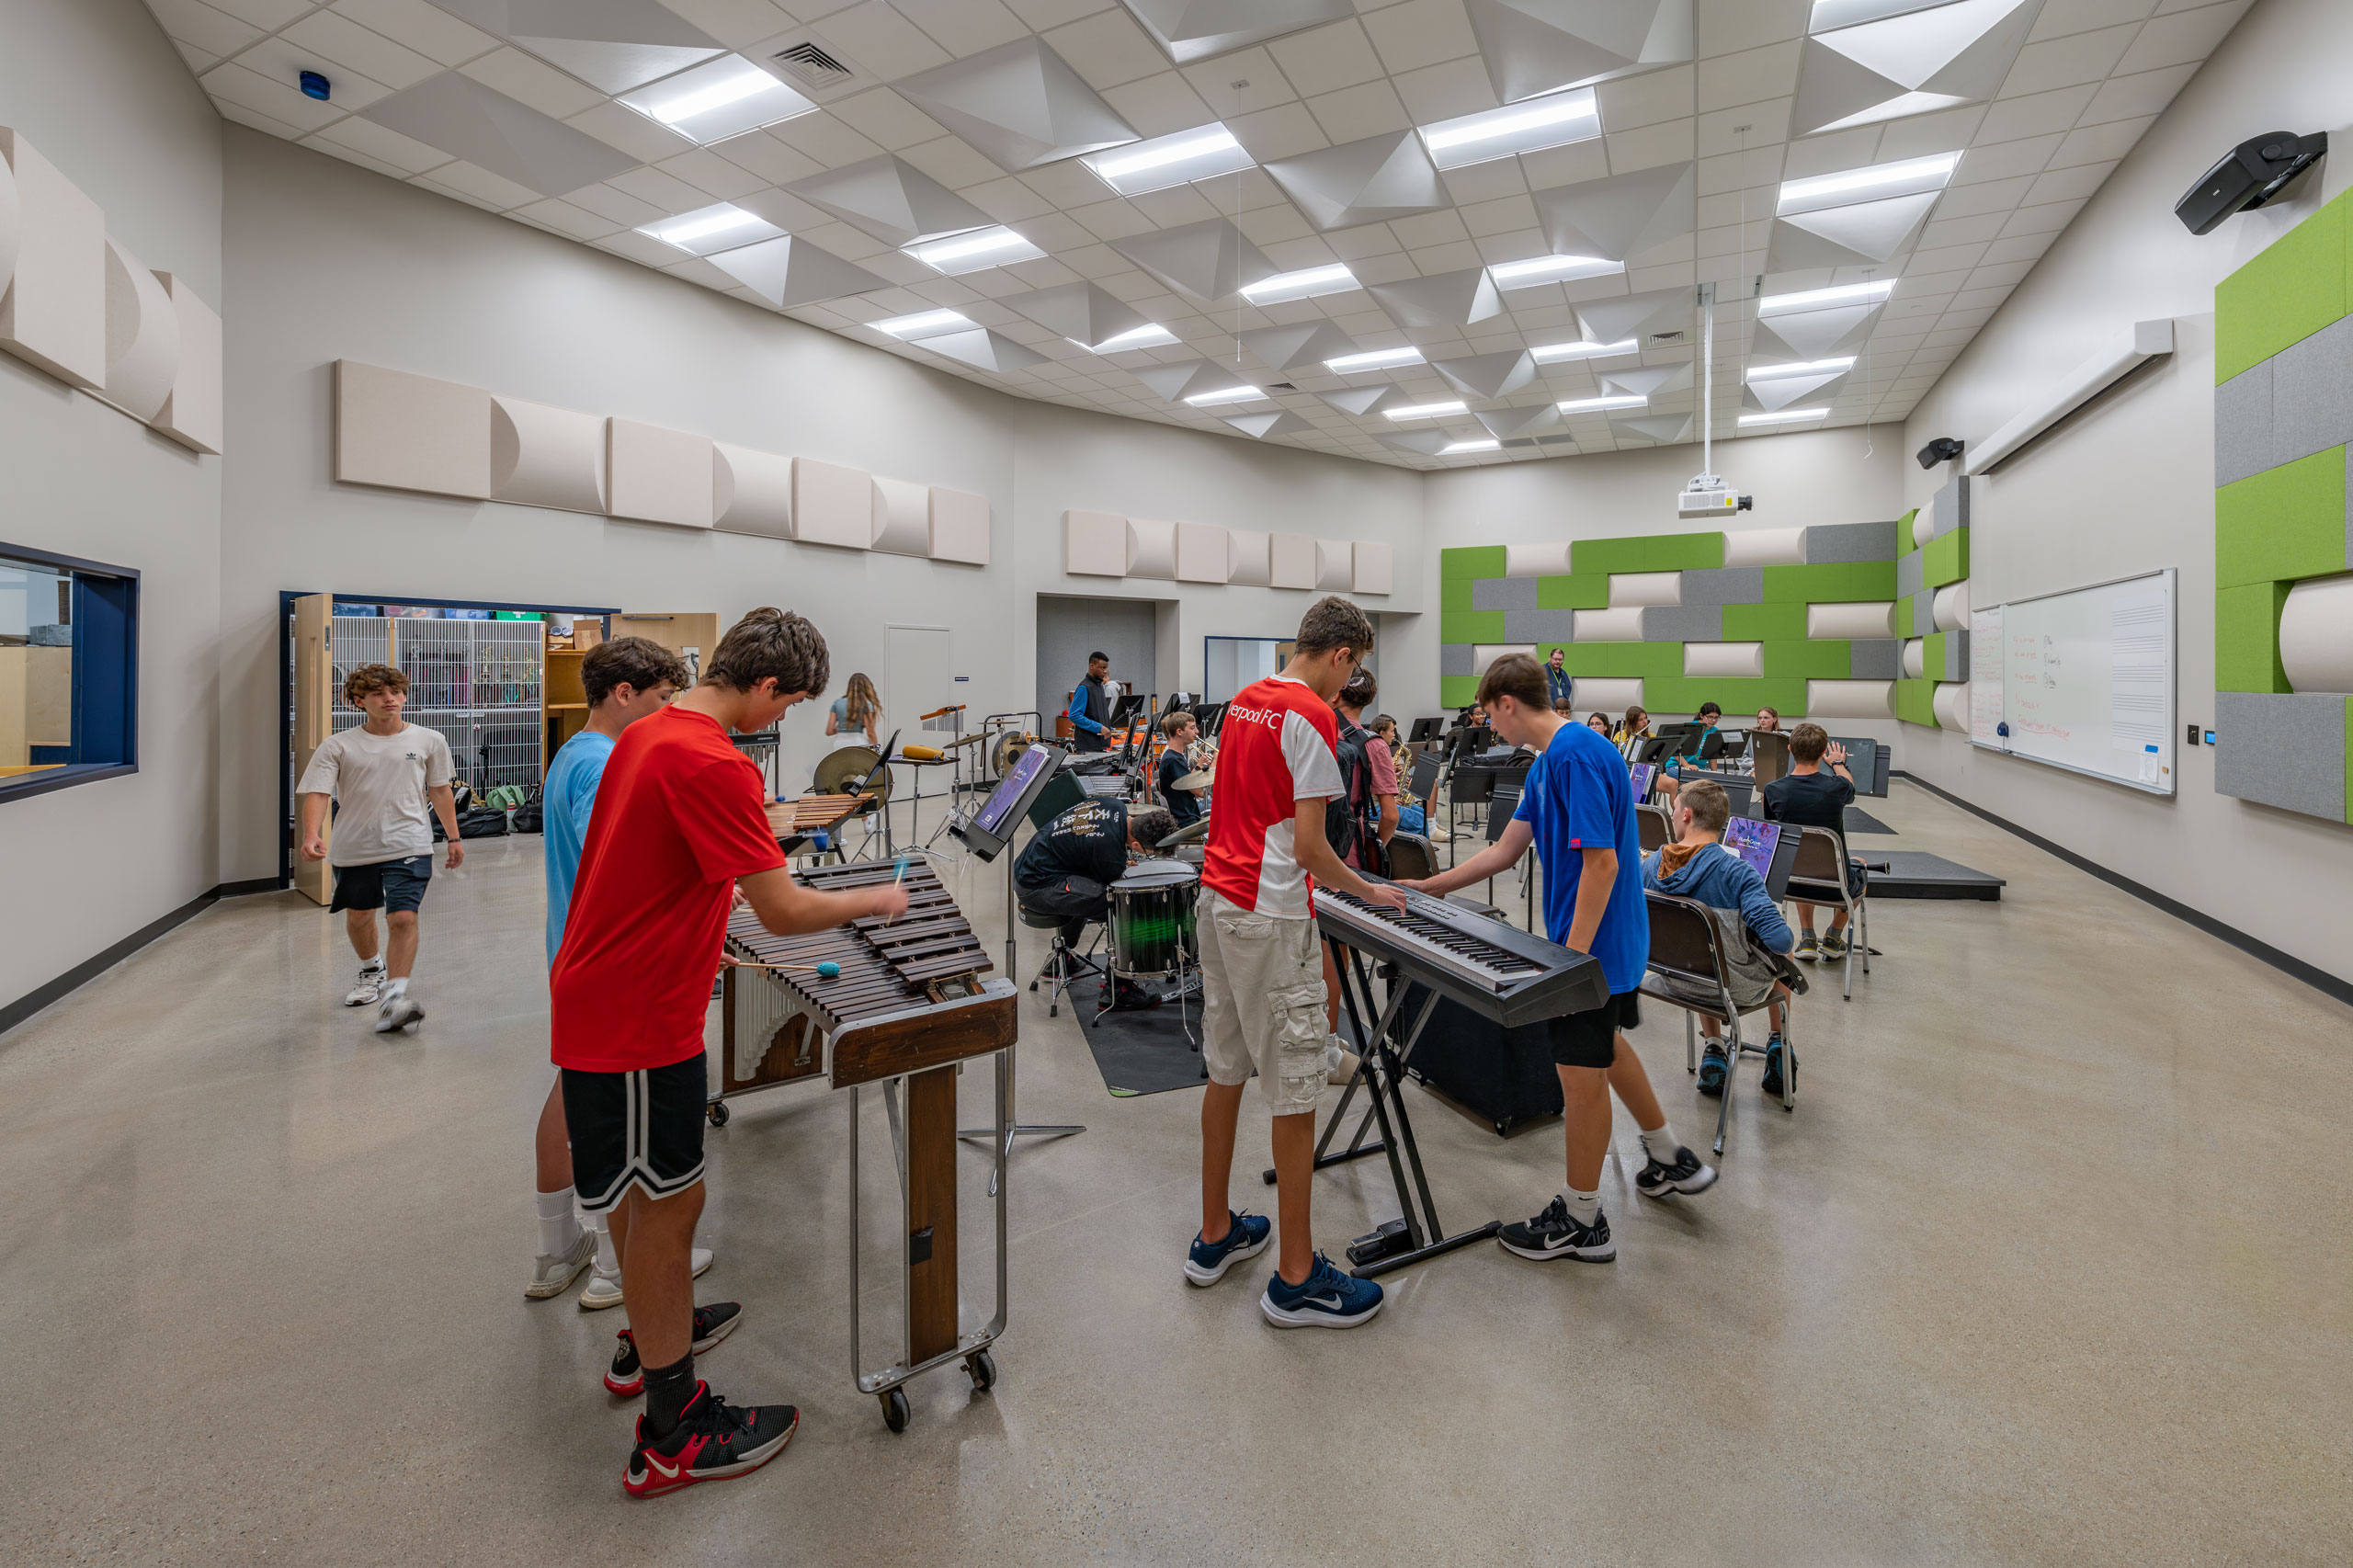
(1706, 479)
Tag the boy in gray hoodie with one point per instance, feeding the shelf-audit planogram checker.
(1697, 866)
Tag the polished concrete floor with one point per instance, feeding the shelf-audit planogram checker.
(2052, 1264)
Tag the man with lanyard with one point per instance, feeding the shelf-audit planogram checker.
(1556, 677)
(1577, 807)
(1090, 706)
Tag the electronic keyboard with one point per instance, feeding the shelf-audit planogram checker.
(1498, 970)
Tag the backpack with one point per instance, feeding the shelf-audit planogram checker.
(1344, 816)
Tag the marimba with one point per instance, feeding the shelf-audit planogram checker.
(908, 1006)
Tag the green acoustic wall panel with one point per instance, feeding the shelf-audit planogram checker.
(1455, 594)
(1946, 560)
(1826, 660)
(1761, 623)
(1903, 617)
(1661, 660)
(2283, 523)
(1471, 626)
(1573, 593)
(1598, 556)
(1458, 691)
(1686, 553)
(2247, 637)
(1475, 560)
(2284, 295)
(1592, 658)
(1916, 701)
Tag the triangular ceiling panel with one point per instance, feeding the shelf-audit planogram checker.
(1421, 443)
(1622, 215)
(1179, 381)
(1019, 103)
(891, 200)
(983, 350)
(1380, 177)
(1774, 394)
(1854, 235)
(1648, 380)
(1206, 261)
(1084, 312)
(1202, 29)
(1511, 424)
(1488, 375)
(1450, 299)
(1309, 343)
(613, 45)
(1927, 59)
(1540, 46)
(786, 272)
(466, 119)
(1637, 316)
(1258, 427)
(1814, 335)
(1664, 428)
(1361, 401)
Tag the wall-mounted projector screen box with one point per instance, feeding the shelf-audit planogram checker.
(2085, 680)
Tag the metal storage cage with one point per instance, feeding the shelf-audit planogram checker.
(477, 682)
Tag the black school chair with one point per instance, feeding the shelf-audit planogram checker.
(1687, 945)
(1651, 822)
(1819, 877)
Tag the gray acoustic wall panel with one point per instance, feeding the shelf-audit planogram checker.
(1924, 612)
(1533, 625)
(1876, 658)
(1724, 586)
(2284, 749)
(1956, 647)
(1950, 510)
(1682, 623)
(1457, 659)
(1844, 542)
(1502, 593)
(2244, 445)
(2312, 395)
(1911, 572)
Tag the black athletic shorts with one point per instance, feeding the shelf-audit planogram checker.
(641, 1129)
(394, 885)
(1590, 1039)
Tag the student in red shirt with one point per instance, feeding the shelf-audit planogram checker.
(1262, 972)
(680, 822)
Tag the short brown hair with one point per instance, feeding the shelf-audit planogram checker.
(370, 678)
(1518, 676)
(1360, 691)
(636, 662)
(1710, 807)
(1808, 742)
(1172, 722)
(771, 644)
(1332, 622)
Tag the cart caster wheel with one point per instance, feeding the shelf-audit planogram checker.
(717, 1113)
(1053, 1010)
(894, 1410)
(982, 1366)
(1033, 988)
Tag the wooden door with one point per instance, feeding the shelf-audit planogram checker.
(692, 635)
(313, 719)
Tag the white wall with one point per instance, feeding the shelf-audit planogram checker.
(2128, 485)
(94, 86)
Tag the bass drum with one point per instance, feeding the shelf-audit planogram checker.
(1151, 922)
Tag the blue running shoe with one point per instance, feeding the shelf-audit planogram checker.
(1245, 1236)
(1712, 1067)
(1325, 1299)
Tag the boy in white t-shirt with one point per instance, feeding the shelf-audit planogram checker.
(383, 778)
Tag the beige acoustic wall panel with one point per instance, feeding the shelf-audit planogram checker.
(2317, 635)
(1373, 568)
(1203, 553)
(1636, 589)
(408, 432)
(1151, 550)
(1612, 694)
(1094, 544)
(1485, 654)
(1765, 547)
(1924, 527)
(959, 526)
(11, 223)
(751, 492)
(1951, 607)
(1916, 658)
(1950, 702)
(191, 411)
(1335, 568)
(902, 523)
(54, 313)
(142, 336)
(832, 504)
(1838, 622)
(1720, 661)
(1536, 560)
(1252, 563)
(1290, 561)
(654, 475)
(1622, 625)
(1850, 699)
(546, 456)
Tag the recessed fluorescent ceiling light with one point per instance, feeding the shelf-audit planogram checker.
(994, 246)
(1876, 183)
(1374, 360)
(1301, 285)
(1151, 335)
(1427, 410)
(709, 230)
(1553, 353)
(1551, 269)
(1532, 123)
(1477, 444)
(1822, 299)
(712, 102)
(1787, 416)
(1597, 404)
(1164, 161)
(929, 323)
(1803, 367)
(1226, 394)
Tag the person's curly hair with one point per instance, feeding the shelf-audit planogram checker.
(638, 662)
(770, 644)
(369, 679)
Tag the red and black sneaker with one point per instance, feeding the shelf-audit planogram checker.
(715, 1441)
(712, 1323)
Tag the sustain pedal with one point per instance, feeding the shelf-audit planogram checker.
(1387, 1242)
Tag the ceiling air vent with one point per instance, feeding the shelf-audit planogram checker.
(810, 65)
(1675, 336)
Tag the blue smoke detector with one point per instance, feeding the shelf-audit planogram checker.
(315, 86)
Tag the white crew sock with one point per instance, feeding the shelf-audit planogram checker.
(396, 988)
(558, 1231)
(374, 966)
(1584, 1207)
(1661, 1143)
(608, 1261)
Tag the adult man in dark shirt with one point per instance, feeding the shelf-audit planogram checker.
(1185, 805)
(1815, 793)
(1090, 706)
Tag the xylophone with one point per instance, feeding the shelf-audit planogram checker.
(908, 1002)
(793, 821)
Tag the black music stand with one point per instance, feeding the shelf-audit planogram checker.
(989, 833)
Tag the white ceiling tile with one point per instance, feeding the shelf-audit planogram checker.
(1992, 195)
(1325, 59)
(2098, 143)
(1421, 32)
(2004, 160)
(668, 192)
(1240, 84)
(2067, 184)
(566, 219)
(738, 24)
(1974, 230)
(2131, 97)
(2016, 247)
(886, 119)
(1736, 171)
(714, 176)
(1008, 200)
(1729, 80)
(1357, 245)
(1751, 126)
(2060, 18)
(1159, 105)
(1273, 227)
(2065, 61)
(345, 43)
(212, 31)
(267, 15)
(1284, 131)
(768, 158)
(2037, 114)
(825, 138)
(617, 206)
(884, 41)
(1924, 134)
(1668, 142)
(479, 185)
(2183, 38)
(964, 27)
(2046, 218)
(1355, 113)
(384, 146)
(634, 133)
(528, 81)
(953, 162)
(1631, 101)
(1112, 220)
(1108, 49)
(283, 61)
(1489, 181)
(198, 61)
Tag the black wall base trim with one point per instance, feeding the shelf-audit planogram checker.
(33, 1001)
(2288, 964)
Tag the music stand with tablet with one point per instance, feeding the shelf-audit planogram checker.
(1645, 776)
(1770, 848)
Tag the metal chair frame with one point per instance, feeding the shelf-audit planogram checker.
(1679, 924)
(1806, 889)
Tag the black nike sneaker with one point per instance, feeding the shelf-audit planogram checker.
(712, 1323)
(1660, 1179)
(1554, 1234)
(715, 1441)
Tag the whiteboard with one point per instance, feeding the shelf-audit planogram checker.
(2087, 681)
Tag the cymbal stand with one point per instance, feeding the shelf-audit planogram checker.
(1011, 1126)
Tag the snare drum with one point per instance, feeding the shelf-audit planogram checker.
(1151, 920)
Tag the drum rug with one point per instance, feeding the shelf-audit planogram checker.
(1861, 821)
(1144, 1052)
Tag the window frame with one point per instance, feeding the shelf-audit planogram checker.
(104, 695)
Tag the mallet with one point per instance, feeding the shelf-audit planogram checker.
(828, 969)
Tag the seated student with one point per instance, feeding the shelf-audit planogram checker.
(1386, 728)
(1635, 727)
(1670, 777)
(1598, 720)
(1068, 868)
(1811, 797)
(1697, 866)
(1182, 730)
(1769, 720)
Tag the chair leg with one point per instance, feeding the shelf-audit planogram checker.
(1789, 1056)
(1847, 970)
(1863, 917)
(1731, 1065)
(1690, 1045)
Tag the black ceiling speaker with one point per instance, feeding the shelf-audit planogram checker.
(2256, 171)
(1939, 451)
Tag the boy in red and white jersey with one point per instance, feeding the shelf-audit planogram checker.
(1262, 977)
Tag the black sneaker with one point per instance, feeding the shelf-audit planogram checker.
(1686, 1174)
(1712, 1067)
(715, 1441)
(712, 1323)
(1129, 998)
(1554, 1234)
(1771, 1082)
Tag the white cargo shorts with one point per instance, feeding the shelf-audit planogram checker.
(1262, 1003)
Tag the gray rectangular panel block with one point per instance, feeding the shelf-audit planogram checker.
(1683, 623)
(1956, 658)
(2312, 396)
(2243, 436)
(1457, 659)
(1876, 658)
(1838, 542)
(2284, 749)
(1924, 612)
(1502, 593)
(1724, 586)
(1910, 573)
(1950, 510)
(1533, 625)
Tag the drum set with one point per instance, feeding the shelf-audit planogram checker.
(1151, 930)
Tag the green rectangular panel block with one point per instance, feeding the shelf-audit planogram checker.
(1903, 617)
(1903, 545)
(2283, 296)
(1826, 660)
(1573, 593)
(1471, 626)
(2247, 637)
(1766, 623)
(1786, 698)
(1592, 658)
(1738, 696)
(2283, 523)
(1830, 583)
(1686, 553)
(1655, 660)
(1454, 594)
(1946, 560)
(1916, 701)
(1603, 555)
(1458, 691)
(1474, 561)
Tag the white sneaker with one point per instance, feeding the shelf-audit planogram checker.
(1340, 1064)
(370, 986)
(398, 1012)
(552, 1276)
(604, 1289)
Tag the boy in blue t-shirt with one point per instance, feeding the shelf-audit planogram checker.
(1577, 808)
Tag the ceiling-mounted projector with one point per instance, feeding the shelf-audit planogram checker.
(1713, 501)
(2254, 172)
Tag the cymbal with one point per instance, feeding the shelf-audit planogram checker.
(972, 740)
(1195, 780)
